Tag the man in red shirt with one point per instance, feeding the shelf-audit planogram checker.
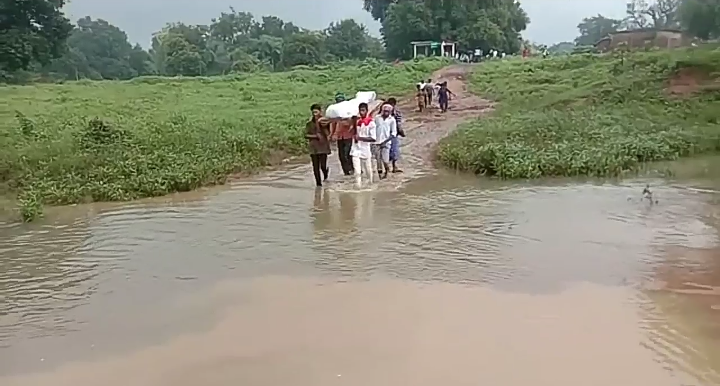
(343, 132)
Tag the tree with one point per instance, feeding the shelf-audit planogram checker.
(347, 39)
(181, 56)
(305, 48)
(472, 23)
(275, 27)
(659, 14)
(376, 49)
(405, 22)
(268, 49)
(232, 28)
(31, 31)
(97, 49)
(595, 28)
(141, 61)
(233, 42)
(106, 49)
(701, 18)
(181, 49)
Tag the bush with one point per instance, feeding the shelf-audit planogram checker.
(587, 114)
(110, 141)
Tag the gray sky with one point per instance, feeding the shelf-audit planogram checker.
(551, 21)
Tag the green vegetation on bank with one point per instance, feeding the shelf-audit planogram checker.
(110, 140)
(590, 115)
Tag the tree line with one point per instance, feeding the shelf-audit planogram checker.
(38, 42)
(698, 18)
(233, 42)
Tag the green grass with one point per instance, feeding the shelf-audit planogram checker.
(587, 115)
(112, 141)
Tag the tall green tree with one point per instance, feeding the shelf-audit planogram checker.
(701, 18)
(660, 14)
(275, 27)
(98, 49)
(268, 49)
(595, 28)
(181, 49)
(232, 28)
(304, 48)
(472, 23)
(31, 31)
(347, 39)
(378, 8)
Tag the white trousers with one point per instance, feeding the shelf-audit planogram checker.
(362, 165)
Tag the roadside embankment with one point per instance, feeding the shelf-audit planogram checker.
(589, 114)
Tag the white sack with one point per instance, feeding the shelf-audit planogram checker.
(348, 109)
(366, 96)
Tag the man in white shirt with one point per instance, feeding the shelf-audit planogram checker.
(386, 130)
(361, 152)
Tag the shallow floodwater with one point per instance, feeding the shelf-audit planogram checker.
(429, 279)
(448, 279)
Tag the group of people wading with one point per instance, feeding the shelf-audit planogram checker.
(359, 139)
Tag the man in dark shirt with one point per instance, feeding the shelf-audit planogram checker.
(342, 131)
(317, 132)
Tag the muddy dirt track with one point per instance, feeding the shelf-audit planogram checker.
(427, 128)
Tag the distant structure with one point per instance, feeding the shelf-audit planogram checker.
(641, 38)
(435, 48)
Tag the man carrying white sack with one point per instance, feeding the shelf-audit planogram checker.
(386, 130)
(361, 153)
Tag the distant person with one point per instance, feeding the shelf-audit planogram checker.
(429, 91)
(444, 97)
(317, 132)
(385, 131)
(361, 149)
(395, 142)
(420, 97)
(342, 132)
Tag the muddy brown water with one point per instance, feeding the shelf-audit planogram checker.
(430, 278)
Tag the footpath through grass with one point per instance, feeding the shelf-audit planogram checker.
(112, 141)
(590, 115)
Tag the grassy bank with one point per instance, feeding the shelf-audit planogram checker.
(590, 115)
(111, 141)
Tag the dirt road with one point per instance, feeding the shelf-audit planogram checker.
(427, 128)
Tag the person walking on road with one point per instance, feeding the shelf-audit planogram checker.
(429, 91)
(386, 130)
(342, 132)
(444, 97)
(420, 98)
(317, 132)
(361, 152)
(395, 141)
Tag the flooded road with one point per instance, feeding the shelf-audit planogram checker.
(432, 278)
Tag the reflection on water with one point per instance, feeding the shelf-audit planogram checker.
(534, 282)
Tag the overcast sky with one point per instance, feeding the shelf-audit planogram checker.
(551, 21)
